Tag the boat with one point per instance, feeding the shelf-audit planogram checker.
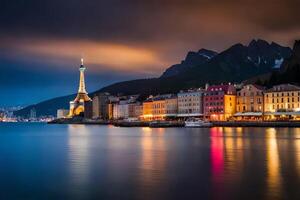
(197, 123)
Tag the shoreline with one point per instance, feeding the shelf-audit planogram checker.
(166, 124)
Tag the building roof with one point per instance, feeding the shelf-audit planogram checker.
(191, 91)
(283, 87)
(259, 87)
(163, 97)
(224, 88)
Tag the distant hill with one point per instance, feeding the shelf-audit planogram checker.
(47, 108)
(235, 64)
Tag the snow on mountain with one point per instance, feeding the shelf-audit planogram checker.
(278, 63)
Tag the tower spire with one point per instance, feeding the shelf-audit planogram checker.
(81, 80)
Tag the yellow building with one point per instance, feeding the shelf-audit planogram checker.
(229, 105)
(160, 107)
(282, 101)
(147, 110)
(110, 111)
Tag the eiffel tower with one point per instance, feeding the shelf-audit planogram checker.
(77, 106)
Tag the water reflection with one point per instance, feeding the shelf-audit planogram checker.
(296, 134)
(229, 146)
(273, 165)
(100, 162)
(152, 166)
(217, 161)
(79, 157)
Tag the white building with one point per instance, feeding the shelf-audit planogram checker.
(190, 103)
(121, 110)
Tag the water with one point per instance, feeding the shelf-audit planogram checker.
(40, 161)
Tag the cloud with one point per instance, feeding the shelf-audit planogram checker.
(100, 56)
(153, 22)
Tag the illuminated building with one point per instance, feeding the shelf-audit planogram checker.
(282, 101)
(77, 107)
(219, 102)
(164, 106)
(249, 102)
(159, 108)
(110, 111)
(190, 103)
(148, 109)
(112, 101)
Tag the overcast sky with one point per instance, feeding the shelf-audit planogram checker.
(41, 42)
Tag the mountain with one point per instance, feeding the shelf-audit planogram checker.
(192, 59)
(235, 64)
(239, 61)
(289, 71)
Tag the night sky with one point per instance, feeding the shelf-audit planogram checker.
(42, 41)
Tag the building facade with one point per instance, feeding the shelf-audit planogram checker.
(250, 102)
(100, 106)
(220, 102)
(164, 106)
(138, 110)
(96, 107)
(172, 106)
(147, 109)
(121, 110)
(158, 108)
(282, 98)
(190, 103)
